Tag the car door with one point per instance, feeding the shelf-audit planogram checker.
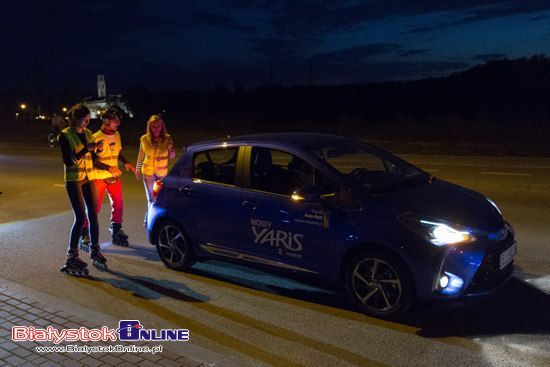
(280, 229)
(209, 199)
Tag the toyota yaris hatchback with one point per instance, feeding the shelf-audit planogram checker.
(335, 208)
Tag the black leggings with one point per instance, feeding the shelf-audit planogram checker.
(83, 198)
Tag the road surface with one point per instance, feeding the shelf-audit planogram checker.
(262, 319)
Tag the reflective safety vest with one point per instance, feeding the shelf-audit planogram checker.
(84, 167)
(109, 156)
(156, 157)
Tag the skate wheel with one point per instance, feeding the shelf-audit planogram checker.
(74, 272)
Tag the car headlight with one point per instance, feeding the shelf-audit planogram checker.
(437, 232)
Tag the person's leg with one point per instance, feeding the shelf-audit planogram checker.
(100, 186)
(119, 238)
(148, 182)
(84, 238)
(89, 192)
(117, 206)
(90, 197)
(74, 191)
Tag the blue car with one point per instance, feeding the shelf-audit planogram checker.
(333, 208)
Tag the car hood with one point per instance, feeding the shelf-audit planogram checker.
(441, 200)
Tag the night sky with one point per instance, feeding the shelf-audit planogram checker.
(199, 44)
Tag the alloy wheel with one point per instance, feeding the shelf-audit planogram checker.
(172, 245)
(376, 284)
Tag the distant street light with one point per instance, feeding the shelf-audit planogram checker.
(64, 109)
(23, 106)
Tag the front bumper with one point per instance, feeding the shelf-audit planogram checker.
(477, 267)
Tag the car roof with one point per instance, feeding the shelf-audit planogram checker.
(298, 140)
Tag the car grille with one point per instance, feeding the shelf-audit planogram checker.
(489, 274)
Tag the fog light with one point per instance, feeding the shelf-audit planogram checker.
(443, 281)
(457, 283)
(450, 284)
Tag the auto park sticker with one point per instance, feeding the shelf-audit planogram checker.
(315, 217)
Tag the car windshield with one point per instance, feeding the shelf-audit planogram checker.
(371, 168)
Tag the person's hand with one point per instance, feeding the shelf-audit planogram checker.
(138, 175)
(171, 153)
(91, 146)
(129, 167)
(99, 145)
(115, 171)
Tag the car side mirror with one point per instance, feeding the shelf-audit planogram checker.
(310, 195)
(315, 194)
(327, 190)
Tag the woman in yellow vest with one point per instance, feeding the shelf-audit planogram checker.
(155, 148)
(77, 145)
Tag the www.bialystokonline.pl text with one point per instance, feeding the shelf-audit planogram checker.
(99, 349)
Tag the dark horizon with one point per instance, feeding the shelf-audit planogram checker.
(497, 108)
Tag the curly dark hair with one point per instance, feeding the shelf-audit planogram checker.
(77, 112)
(111, 113)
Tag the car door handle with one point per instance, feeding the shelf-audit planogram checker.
(187, 190)
(249, 204)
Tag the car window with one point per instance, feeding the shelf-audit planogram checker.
(216, 165)
(281, 172)
(369, 167)
(348, 162)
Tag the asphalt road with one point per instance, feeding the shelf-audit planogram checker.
(269, 320)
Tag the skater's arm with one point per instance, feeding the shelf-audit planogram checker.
(141, 156)
(126, 163)
(98, 164)
(121, 158)
(70, 158)
(171, 150)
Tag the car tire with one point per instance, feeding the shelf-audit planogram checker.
(380, 284)
(173, 246)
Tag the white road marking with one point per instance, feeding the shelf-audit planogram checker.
(103, 245)
(59, 185)
(506, 174)
(542, 283)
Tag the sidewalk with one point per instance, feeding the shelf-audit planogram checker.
(17, 309)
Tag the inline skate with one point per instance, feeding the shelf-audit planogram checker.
(118, 237)
(75, 266)
(98, 260)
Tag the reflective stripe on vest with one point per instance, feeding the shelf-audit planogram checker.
(84, 167)
(156, 158)
(112, 146)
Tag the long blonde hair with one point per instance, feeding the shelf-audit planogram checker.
(163, 133)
